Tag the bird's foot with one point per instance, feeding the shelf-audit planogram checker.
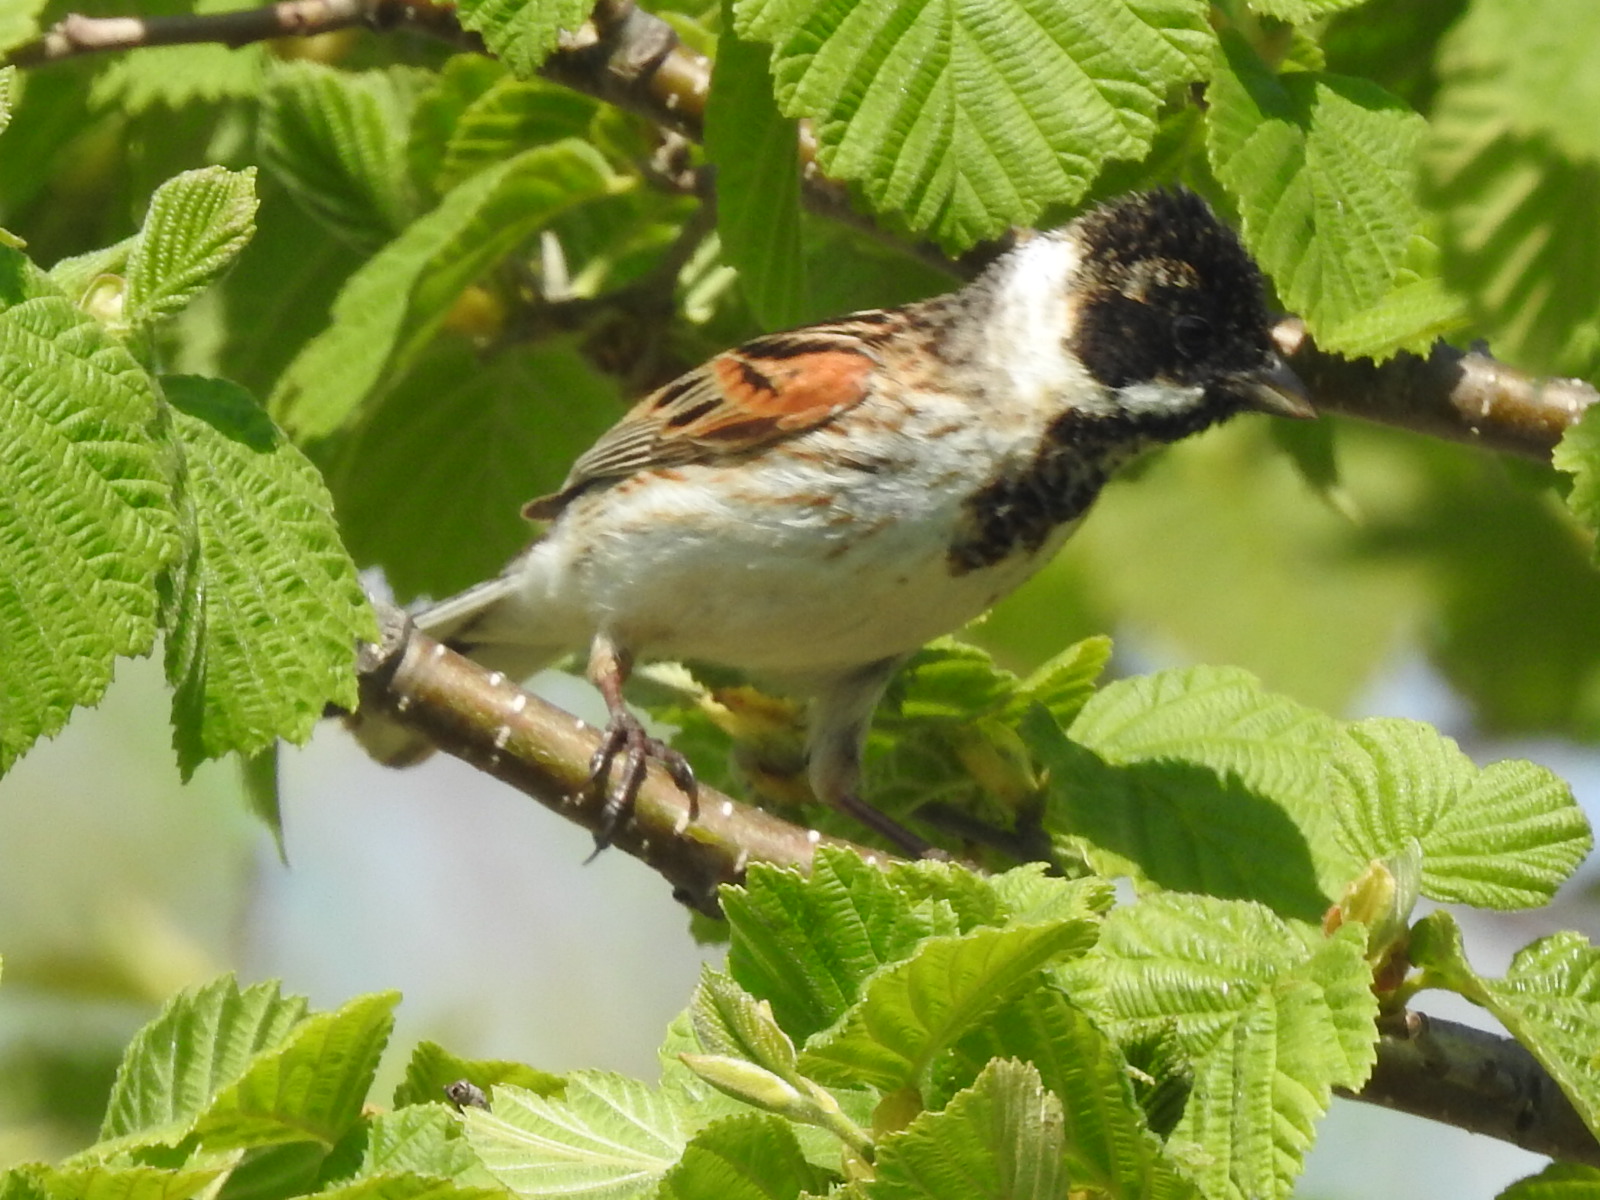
(625, 736)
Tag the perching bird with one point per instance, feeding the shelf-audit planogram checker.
(814, 505)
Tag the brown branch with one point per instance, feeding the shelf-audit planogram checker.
(1477, 1081)
(1458, 395)
(487, 720)
(76, 35)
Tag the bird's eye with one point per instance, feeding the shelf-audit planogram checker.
(1191, 333)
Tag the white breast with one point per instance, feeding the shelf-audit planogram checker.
(787, 563)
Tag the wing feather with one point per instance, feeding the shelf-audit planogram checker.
(762, 392)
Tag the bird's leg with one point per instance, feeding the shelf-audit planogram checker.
(840, 716)
(609, 666)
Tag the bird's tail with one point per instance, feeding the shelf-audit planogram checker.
(466, 623)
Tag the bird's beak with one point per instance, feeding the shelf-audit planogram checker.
(1275, 389)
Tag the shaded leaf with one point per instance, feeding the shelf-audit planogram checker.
(509, 117)
(391, 308)
(433, 481)
(1107, 1146)
(806, 944)
(913, 1012)
(1000, 1139)
(336, 139)
(743, 1158)
(1198, 779)
(266, 624)
(755, 150)
(433, 1068)
(1518, 235)
(1324, 171)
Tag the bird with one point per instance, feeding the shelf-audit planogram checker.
(814, 505)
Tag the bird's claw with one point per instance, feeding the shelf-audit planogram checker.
(626, 736)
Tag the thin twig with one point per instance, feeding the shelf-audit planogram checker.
(76, 35)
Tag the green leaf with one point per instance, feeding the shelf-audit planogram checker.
(402, 1185)
(121, 1182)
(198, 223)
(1000, 1139)
(86, 518)
(433, 1068)
(806, 944)
(391, 308)
(19, 22)
(947, 729)
(1504, 837)
(521, 33)
(1578, 454)
(1541, 52)
(169, 77)
(420, 1140)
(274, 300)
(265, 630)
(609, 1138)
(457, 447)
(1272, 1018)
(1418, 309)
(336, 140)
(730, 1021)
(311, 1087)
(1024, 895)
(1107, 1146)
(1519, 238)
(1558, 1181)
(755, 150)
(1064, 683)
(8, 75)
(461, 80)
(1302, 11)
(911, 1013)
(1324, 171)
(508, 118)
(743, 1158)
(1549, 1001)
(259, 779)
(964, 120)
(203, 1040)
(1198, 780)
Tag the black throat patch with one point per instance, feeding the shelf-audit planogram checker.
(1017, 512)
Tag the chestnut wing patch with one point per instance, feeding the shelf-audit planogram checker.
(743, 399)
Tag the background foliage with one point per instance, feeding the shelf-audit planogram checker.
(272, 313)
